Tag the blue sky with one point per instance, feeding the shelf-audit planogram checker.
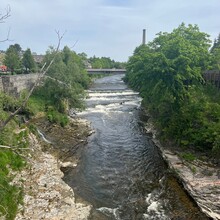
(111, 28)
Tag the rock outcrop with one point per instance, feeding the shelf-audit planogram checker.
(200, 178)
(46, 195)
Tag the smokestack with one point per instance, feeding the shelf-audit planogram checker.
(144, 37)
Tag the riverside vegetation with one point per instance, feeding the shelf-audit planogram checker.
(62, 89)
(168, 74)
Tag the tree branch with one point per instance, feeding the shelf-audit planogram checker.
(44, 70)
(13, 147)
(7, 38)
(3, 17)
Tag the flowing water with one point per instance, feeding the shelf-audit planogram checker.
(121, 172)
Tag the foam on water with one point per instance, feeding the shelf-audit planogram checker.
(110, 212)
(155, 209)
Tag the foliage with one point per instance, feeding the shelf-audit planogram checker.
(10, 159)
(56, 117)
(10, 194)
(12, 59)
(18, 61)
(28, 61)
(168, 74)
(8, 103)
(66, 81)
(215, 53)
(105, 62)
(188, 156)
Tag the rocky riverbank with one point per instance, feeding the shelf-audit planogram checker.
(199, 176)
(46, 195)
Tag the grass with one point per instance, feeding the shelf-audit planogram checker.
(36, 104)
(188, 157)
(10, 160)
(10, 195)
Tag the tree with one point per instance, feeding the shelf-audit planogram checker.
(104, 62)
(66, 81)
(168, 74)
(28, 61)
(41, 74)
(165, 67)
(12, 59)
(17, 48)
(215, 53)
(216, 44)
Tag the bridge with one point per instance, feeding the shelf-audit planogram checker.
(106, 71)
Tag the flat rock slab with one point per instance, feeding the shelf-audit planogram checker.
(201, 180)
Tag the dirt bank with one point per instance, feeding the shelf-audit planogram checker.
(46, 195)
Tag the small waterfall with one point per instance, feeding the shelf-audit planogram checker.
(43, 137)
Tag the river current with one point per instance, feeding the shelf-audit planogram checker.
(121, 172)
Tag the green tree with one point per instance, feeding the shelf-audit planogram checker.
(28, 61)
(216, 44)
(166, 67)
(17, 48)
(12, 59)
(64, 88)
(215, 53)
(168, 74)
(104, 62)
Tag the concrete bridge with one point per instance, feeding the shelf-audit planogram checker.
(106, 71)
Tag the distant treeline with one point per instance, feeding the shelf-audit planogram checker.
(102, 62)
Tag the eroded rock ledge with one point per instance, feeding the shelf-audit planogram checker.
(46, 195)
(200, 178)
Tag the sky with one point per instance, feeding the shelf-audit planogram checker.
(109, 28)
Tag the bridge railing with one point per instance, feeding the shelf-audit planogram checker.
(106, 71)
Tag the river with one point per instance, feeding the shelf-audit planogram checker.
(121, 172)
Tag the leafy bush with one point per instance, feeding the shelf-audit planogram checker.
(10, 195)
(188, 156)
(58, 118)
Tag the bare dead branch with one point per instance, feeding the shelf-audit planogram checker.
(39, 78)
(7, 14)
(7, 38)
(59, 81)
(3, 17)
(74, 44)
(13, 147)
